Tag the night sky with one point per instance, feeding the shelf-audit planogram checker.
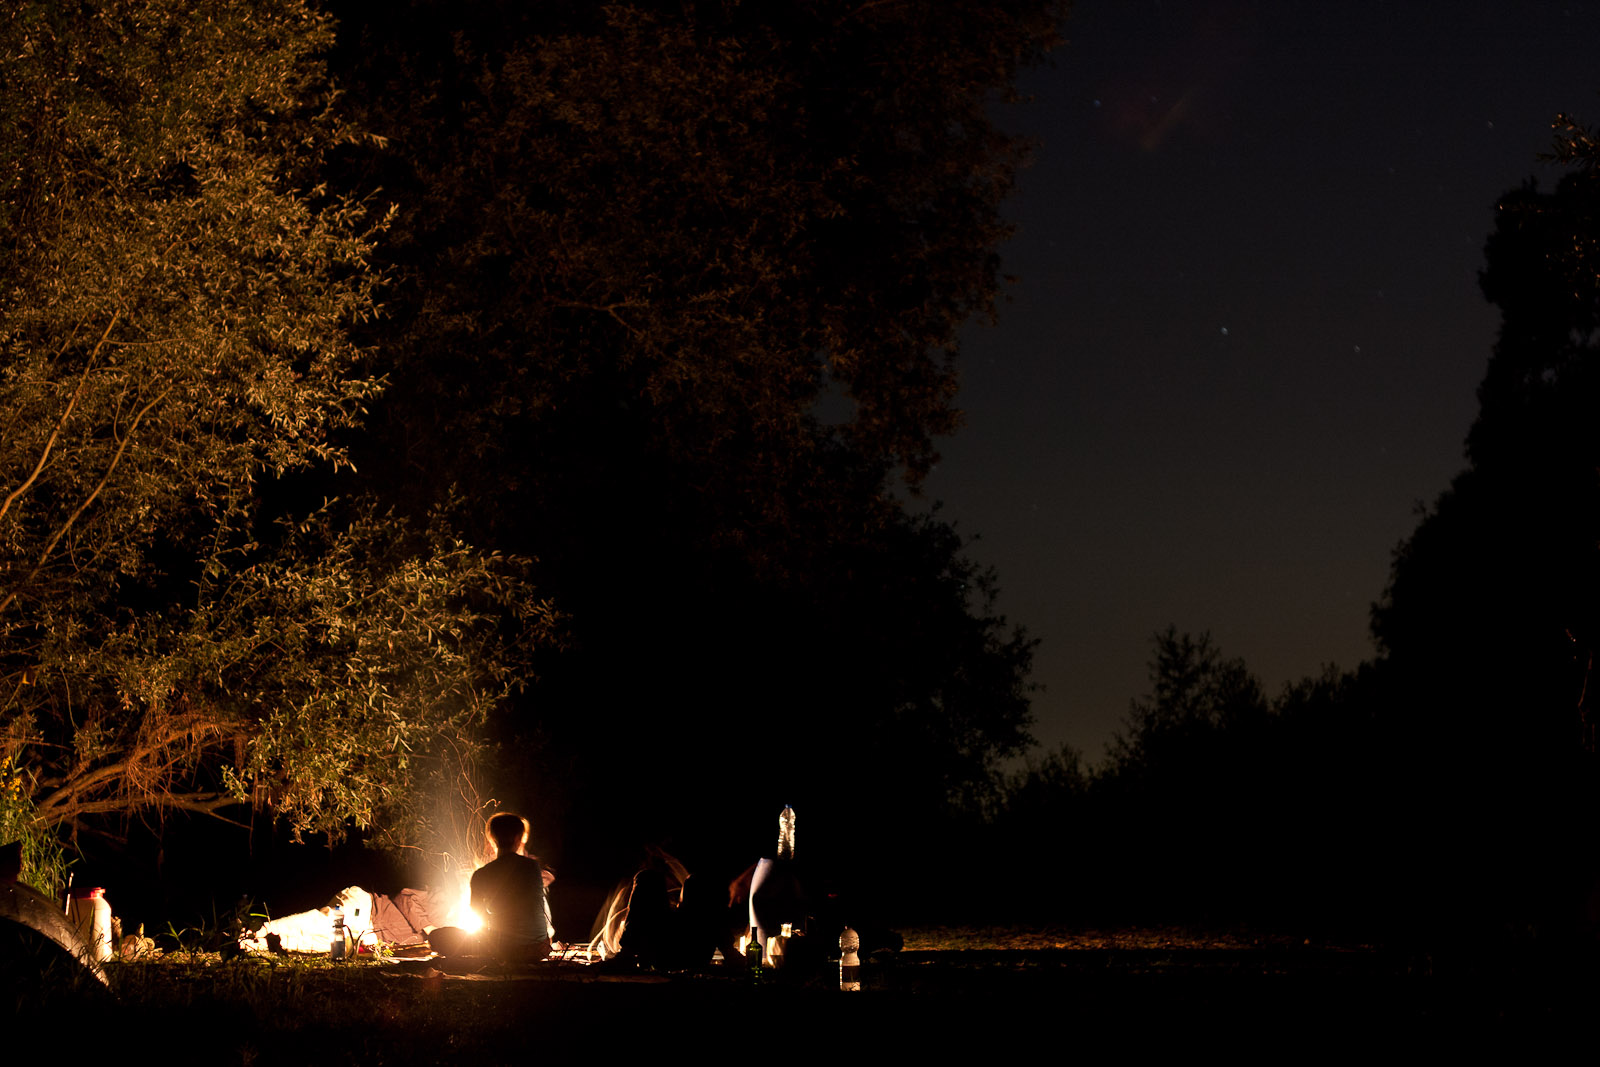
(1246, 333)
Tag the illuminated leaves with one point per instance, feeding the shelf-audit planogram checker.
(174, 315)
(362, 659)
(177, 291)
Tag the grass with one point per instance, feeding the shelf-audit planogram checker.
(1066, 937)
(1113, 989)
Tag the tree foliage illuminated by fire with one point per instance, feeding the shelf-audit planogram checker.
(177, 292)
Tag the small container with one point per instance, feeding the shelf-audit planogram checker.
(336, 946)
(849, 961)
(90, 912)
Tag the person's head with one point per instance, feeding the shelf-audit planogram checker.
(508, 832)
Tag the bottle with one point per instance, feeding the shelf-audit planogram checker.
(752, 953)
(89, 910)
(849, 961)
(336, 946)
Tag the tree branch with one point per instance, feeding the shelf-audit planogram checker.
(49, 445)
(205, 803)
(66, 527)
(64, 797)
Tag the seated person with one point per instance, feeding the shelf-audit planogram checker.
(605, 938)
(663, 923)
(509, 893)
(649, 914)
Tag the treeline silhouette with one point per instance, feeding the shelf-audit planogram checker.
(1447, 788)
(1215, 804)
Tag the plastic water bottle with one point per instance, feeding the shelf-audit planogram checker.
(90, 912)
(849, 961)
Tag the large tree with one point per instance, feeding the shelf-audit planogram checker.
(1489, 625)
(173, 342)
(678, 293)
(719, 214)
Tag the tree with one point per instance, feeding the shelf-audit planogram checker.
(1489, 621)
(1196, 695)
(678, 289)
(716, 214)
(173, 338)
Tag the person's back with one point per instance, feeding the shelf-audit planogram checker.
(509, 893)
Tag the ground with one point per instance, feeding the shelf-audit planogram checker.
(950, 990)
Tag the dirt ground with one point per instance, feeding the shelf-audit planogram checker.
(952, 991)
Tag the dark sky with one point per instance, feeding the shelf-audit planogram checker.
(1247, 331)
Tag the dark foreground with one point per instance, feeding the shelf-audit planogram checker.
(1104, 996)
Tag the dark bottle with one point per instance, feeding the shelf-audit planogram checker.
(336, 948)
(752, 953)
